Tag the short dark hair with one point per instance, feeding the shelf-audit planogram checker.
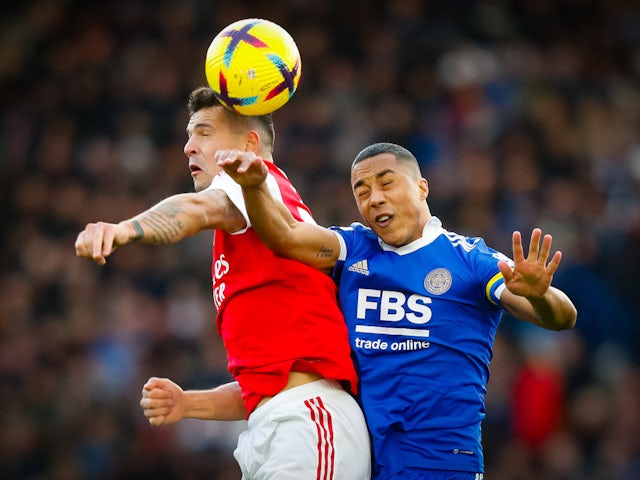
(203, 97)
(400, 153)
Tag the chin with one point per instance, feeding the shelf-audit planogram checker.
(201, 184)
(393, 241)
(388, 240)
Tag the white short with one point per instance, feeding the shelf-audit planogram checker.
(312, 432)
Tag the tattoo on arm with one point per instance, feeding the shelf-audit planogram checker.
(139, 231)
(164, 224)
(324, 252)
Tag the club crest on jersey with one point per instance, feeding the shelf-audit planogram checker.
(438, 281)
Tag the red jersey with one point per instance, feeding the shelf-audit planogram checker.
(275, 315)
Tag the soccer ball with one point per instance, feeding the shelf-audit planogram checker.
(253, 66)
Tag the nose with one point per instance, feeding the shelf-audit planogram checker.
(190, 147)
(377, 196)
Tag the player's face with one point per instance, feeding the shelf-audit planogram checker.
(208, 132)
(391, 200)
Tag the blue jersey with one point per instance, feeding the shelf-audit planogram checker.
(422, 319)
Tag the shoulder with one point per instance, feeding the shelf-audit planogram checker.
(463, 242)
(355, 231)
(356, 228)
(226, 207)
(474, 251)
(356, 239)
(470, 246)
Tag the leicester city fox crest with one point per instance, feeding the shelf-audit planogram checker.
(438, 281)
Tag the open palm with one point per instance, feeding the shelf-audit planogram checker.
(530, 276)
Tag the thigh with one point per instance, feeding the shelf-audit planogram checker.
(315, 433)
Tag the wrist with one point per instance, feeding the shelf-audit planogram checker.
(197, 404)
(132, 231)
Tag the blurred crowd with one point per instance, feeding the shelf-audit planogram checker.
(522, 113)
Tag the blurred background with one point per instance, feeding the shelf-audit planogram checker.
(522, 113)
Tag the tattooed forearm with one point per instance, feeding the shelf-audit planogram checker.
(324, 252)
(162, 225)
(164, 229)
(139, 231)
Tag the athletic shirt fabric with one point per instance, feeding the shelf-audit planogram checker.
(422, 319)
(274, 315)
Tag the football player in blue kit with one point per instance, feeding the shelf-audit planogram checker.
(422, 305)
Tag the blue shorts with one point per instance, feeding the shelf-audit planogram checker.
(424, 474)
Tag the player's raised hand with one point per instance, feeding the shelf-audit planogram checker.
(162, 401)
(530, 276)
(246, 168)
(98, 240)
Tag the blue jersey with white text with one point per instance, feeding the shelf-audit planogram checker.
(422, 319)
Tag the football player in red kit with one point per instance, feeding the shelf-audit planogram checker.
(286, 339)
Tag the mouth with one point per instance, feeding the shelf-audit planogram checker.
(194, 169)
(383, 219)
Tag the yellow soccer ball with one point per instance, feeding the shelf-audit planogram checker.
(253, 66)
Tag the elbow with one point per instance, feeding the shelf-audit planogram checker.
(280, 241)
(280, 246)
(567, 322)
(279, 250)
(572, 319)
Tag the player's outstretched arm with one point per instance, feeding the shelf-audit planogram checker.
(279, 230)
(169, 221)
(529, 295)
(164, 402)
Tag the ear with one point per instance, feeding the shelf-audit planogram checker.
(252, 142)
(423, 185)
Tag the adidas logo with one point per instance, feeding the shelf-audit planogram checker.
(360, 267)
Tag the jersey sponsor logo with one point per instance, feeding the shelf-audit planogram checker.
(360, 267)
(438, 281)
(394, 307)
(220, 268)
(384, 344)
(411, 332)
(218, 295)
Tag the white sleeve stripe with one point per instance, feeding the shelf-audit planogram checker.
(274, 188)
(343, 247)
(225, 183)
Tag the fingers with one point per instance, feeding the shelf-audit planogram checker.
(544, 250)
(80, 245)
(534, 243)
(157, 421)
(104, 248)
(154, 382)
(96, 242)
(156, 417)
(555, 261)
(235, 160)
(518, 252)
(538, 253)
(506, 270)
(156, 389)
(156, 403)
